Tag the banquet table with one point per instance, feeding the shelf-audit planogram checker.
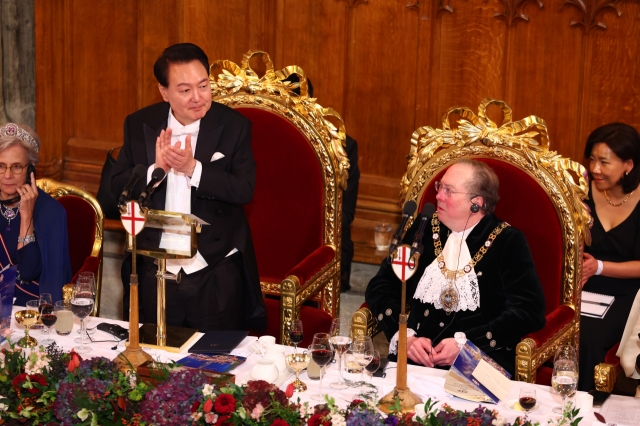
(425, 382)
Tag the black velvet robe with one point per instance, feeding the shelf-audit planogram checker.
(511, 299)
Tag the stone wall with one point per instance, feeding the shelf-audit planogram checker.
(17, 69)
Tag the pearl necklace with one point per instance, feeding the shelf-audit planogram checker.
(620, 203)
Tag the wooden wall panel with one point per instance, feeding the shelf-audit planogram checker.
(387, 66)
(314, 37)
(613, 83)
(471, 55)
(381, 87)
(544, 71)
(103, 78)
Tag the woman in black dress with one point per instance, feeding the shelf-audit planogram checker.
(611, 265)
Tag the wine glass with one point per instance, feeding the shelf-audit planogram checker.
(81, 306)
(527, 400)
(298, 362)
(362, 350)
(340, 345)
(89, 277)
(322, 353)
(47, 316)
(564, 379)
(296, 334)
(27, 318)
(373, 366)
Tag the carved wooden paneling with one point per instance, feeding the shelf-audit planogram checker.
(544, 73)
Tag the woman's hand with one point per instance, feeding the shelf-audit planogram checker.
(28, 195)
(589, 267)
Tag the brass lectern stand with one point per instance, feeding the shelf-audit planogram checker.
(159, 336)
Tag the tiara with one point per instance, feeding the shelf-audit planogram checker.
(11, 129)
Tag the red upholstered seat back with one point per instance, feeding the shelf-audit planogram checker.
(81, 229)
(525, 205)
(286, 214)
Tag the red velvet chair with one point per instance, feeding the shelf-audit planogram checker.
(84, 227)
(541, 194)
(296, 211)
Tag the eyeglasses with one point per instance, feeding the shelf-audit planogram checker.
(16, 169)
(446, 190)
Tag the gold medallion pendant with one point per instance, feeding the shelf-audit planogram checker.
(449, 299)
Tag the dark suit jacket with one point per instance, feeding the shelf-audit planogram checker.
(511, 299)
(225, 186)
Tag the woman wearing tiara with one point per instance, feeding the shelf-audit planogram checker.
(611, 264)
(33, 226)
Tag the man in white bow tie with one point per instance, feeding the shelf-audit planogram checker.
(476, 278)
(205, 149)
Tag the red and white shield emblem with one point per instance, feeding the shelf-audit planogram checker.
(133, 220)
(402, 265)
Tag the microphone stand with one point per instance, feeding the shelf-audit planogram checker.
(133, 356)
(407, 399)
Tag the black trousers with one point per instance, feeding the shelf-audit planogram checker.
(209, 299)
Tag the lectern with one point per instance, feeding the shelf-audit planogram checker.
(159, 335)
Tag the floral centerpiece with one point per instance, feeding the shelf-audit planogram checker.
(46, 386)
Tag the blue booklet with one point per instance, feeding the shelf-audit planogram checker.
(7, 287)
(466, 362)
(216, 363)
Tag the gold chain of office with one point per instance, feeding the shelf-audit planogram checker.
(437, 244)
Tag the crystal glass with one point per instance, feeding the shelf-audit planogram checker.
(527, 400)
(47, 316)
(298, 362)
(27, 318)
(564, 379)
(340, 343)
(362, 350)
(296, 334)
(81, 306)
(89, 277)
(322, 354)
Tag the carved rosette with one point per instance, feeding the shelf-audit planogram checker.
(524, 144)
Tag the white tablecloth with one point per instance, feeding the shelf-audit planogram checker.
(425, 382)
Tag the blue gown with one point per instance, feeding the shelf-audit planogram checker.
(43, 265)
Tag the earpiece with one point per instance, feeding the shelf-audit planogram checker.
(475, 208)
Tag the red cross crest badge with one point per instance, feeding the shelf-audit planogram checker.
(402, 265)
(133, 220)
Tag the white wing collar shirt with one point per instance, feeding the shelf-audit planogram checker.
(178, 197)
(433, 282)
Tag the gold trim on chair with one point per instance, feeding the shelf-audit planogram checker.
(240, 86)
(525, 145)
(58, 189)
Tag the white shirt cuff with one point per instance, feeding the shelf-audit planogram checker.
(393, 344)
(197, 174)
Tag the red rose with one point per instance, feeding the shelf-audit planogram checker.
(279, 422)
(317, 420)
(75, 361)
(194, 406)
(225, 404)
(289, 391)
(208, 405)
(35, 378)
(223, 419)
(355, 403)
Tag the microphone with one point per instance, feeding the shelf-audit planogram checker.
(407, 211)
(137, 172)
(157, 175)
(427, 211)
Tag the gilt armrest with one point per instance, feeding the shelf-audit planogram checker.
(363, 322)
(605, 373)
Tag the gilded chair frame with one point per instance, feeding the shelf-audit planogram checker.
(59, 189)
(240, 86)
(525, 145)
